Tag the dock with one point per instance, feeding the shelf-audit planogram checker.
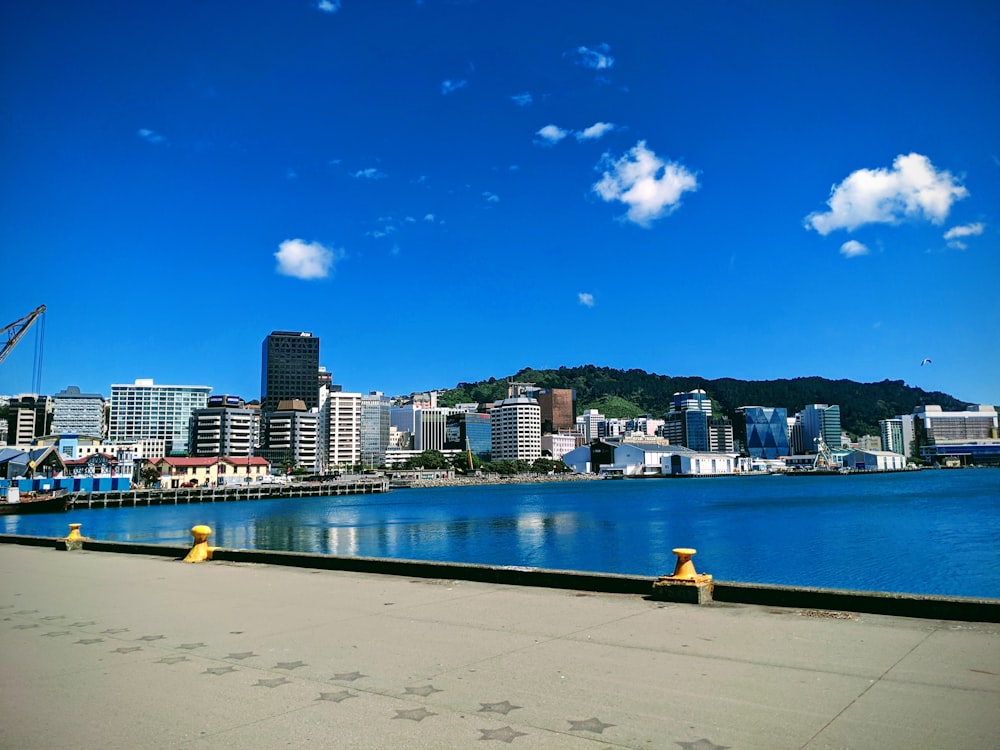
(224, 494)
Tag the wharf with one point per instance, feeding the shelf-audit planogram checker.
(261, 491)
(143, 651)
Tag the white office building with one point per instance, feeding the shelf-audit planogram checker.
(517, 429)
(343, 429)
(76, 413)
(144, 410)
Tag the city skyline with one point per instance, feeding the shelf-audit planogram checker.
(449, 191)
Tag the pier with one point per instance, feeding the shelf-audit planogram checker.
(223, 494)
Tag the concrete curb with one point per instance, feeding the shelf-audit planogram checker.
(965, 609)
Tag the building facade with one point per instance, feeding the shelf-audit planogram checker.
(957, 437)
(29, 416)
(146, 411)
(289, 369)
(766, 431)
(376, 410)
(292, 433)
(76, 413)
(342, 417)
(223, 428)
(472, 431)
(558, 409)
(516, 429)
(819, 422)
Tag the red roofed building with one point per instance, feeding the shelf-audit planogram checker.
(209, 471)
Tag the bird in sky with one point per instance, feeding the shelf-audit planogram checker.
(925, 362)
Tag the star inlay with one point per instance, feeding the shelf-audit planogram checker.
(191, 646)
(171, 659)
(702, 744)
(127, 649)
(27, 626)
(86, 624)
(57, 617)
(242, 655)
(151, 637)
(414, 714)
(114, 631)
(219, 670)
(348, 676)
(498, 708)
(589, 725)
(273, 683)
(289, 665)
(423, 691)
(89, 641)
(26, 612)
(504, 734)
(337, 697)
(54, 633)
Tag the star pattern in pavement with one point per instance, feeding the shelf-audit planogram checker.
(171, 660)
(504, 734)
(289, 665)
(340, 695)
(84, 624)
(89, 641)
(504, 707)
(191, 646)
(26, 626)
(55, 633)
(702, 744)
(219, 670)
(348, 676)
(594, 725)
(114, 631)
(273, 683)
(423, 691)
(127, 649)
(414, 714)
(58, 617)
(242, 655)
(151, 637)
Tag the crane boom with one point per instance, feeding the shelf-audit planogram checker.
(16, 330)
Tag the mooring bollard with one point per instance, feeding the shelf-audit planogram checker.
(200, 551)
(686, 584)
(74, 540)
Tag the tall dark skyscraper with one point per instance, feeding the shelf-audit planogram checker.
(289, 369)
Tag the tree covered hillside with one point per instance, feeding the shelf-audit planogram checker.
(628, 393)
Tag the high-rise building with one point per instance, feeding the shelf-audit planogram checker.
(289, 369)
(766, 431)
(76, 413)
(558, 406)
(966, 437)
(376, 409)
(145, 410)
(696, 400)
(820, 422)
(222, 428)
(292, 436)
(469, 430)
(343, 419)
(592, 424)
(29, 416)
(516, 429)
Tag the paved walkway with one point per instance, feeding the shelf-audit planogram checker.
(127, 651)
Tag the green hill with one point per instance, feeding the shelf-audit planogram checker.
(628, 393)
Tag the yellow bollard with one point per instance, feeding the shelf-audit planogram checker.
(686, 584)
(74, 540)
(200, 551)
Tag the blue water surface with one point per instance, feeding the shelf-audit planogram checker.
(931, 532)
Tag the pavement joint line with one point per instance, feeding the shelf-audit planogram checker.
(871, 684)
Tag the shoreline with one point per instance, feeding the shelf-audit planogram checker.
(463, 481)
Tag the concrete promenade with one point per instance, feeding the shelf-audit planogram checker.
(133, 651)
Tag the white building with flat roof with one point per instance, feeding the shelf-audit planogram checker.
(516, 424)
(144, 410)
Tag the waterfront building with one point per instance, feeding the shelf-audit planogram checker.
(146, 411)
(648, 459)
(466, 430)
(376, 411)
(76, 413)
(291, 436)
(766, 431)
(516, 429)
(645, 424)
(342, 417)
(687, 428)
(870, 443)
(209, 471)
(874, 460)
(559, 444)
(592, 424)
(819, 421)
(289, 369)
(28, 416)
(224, 427)
(957, 437)
(558, 409)
(892, 435)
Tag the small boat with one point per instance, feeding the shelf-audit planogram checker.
(55, 502)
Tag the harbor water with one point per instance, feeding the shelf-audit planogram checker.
(927, 532)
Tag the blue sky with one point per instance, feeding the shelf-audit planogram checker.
(448, 191)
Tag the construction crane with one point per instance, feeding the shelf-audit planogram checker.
(15, 332)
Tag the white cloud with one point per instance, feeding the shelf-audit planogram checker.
(491, 197)
(151, 136)
(966, 230)
(595, 131)
(552, 134)
(369, 174)
(911, 189)
(306, 260)
(586, 299)
(852, 249)
(651, 187)
(328, 6)
(429, 218)
(449, 86)
(522, 100)
(598, 58)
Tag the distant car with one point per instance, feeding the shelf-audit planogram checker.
(189, 484)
